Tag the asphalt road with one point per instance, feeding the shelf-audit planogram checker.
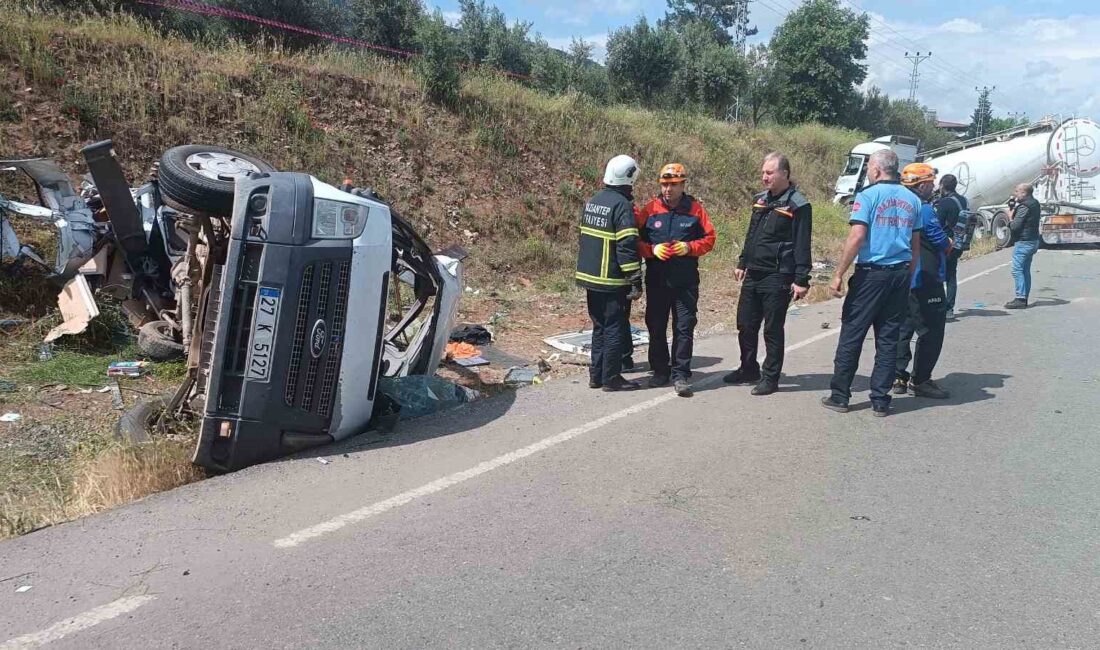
(567, 517)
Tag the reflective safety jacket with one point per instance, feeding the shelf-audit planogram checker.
(660, 223)
(608, 256)
(778, 239)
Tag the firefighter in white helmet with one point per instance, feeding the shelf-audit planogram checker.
(609, 269)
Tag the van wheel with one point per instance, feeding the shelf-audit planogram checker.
(1002, 234)
(157, 341)
(135, 427)
(201, 178)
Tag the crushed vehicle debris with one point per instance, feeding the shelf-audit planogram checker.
(290, 298)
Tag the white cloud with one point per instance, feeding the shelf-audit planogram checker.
(452, 17)
(1033, 72)
(961, 26)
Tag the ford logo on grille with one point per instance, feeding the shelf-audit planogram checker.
(318, 338)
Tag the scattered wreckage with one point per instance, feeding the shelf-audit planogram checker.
(290, 298)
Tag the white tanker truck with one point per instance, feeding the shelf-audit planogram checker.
(1062, 159)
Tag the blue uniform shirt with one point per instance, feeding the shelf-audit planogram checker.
(934, 234)
(890, 212)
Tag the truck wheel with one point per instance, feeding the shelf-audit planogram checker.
(135, 427)
(157, 342)
(1002, 234)
(200, 178)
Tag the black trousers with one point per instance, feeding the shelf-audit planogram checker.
(764, 299)
(877, 298)
(927, 319)
(610, 333)
(682, 303)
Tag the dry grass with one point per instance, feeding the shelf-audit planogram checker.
(120, 475)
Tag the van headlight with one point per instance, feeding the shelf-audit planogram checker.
(338, 220)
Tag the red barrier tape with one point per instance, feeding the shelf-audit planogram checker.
(209, 10)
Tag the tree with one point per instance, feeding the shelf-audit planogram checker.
(871, 113)
(319, 15)
(437, 65)
(759, 88)
(390, 23)
(507, 48)
(640, 62)
(817, 50)
(473, 29)
(1002, 123)
(719, 15)
(706, 74)
(550, 69)
(982, 116)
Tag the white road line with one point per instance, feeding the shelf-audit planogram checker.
(78, 623)
(984, 273)
(440, 484)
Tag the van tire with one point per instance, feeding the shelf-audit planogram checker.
(185, 183)
(155, 340)
(135, 427)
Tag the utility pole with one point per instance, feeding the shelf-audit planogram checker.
(1017, 116)
(741, 31)
(914, 76)
(984, 108)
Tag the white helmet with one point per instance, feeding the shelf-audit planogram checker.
(621, 170)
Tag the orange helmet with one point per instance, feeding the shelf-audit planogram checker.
(917, 173)
(672, 173)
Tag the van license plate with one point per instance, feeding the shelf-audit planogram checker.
(261, 352)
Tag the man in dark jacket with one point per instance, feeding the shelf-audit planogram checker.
(774, 266)
(675, 233)
(609, 269)
(949, 208)
(1025, 230)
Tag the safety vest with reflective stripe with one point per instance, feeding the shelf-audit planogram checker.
(608, 253)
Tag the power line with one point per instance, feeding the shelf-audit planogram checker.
(887, 42)
(914, 77)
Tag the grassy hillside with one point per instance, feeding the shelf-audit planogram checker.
(504, 173)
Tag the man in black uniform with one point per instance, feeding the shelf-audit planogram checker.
(775, 266)
(609, 268)
(949, 207)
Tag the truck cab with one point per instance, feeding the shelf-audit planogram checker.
(854, 176)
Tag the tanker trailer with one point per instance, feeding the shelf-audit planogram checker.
(1068, 191)
(1060, 159)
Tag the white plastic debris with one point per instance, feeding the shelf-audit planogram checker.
(10, 417)
(24, 589)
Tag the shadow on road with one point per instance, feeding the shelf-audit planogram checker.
(979, 313)
(1049, 302)
(965, 388)
(436, 425)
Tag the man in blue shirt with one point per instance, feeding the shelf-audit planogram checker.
(884, 232)
(927, 300)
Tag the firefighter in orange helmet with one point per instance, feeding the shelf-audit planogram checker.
(675, 232)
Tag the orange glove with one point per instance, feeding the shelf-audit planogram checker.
(680, 249)
(663, 252)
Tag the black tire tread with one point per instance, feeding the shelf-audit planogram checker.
(157, 345)
(135, 427)
(182, 187)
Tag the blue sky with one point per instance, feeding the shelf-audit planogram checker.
(1043, 56)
